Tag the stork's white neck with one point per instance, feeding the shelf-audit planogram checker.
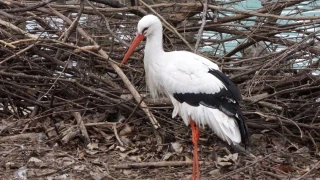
(154, 45)
(154, 63)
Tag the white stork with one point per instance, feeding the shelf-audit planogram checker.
(200, 93)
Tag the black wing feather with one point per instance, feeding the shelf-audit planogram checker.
(232, 88)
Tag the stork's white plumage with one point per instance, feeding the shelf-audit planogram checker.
(200, 93)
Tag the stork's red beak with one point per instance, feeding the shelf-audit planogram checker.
(135, 43)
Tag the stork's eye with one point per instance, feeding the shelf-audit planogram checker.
(144, 30)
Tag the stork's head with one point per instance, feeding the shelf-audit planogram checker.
(147, 26)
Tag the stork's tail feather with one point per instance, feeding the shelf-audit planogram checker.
(243, 128)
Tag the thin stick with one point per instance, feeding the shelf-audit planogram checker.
(83, 128)
(7, 44)
(21, 137)
(108, 124)
(15, 28)
(313, 141)
(18, 53)
(116, 134)
(65, 35)
(204, 18)
(134, 110)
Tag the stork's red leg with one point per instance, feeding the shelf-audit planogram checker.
(195, 137)
(197, 160)
(194, 169)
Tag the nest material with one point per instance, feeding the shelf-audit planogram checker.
(59, 63)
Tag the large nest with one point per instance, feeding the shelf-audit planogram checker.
(67, 108)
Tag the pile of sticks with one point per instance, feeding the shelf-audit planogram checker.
(60, 62)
